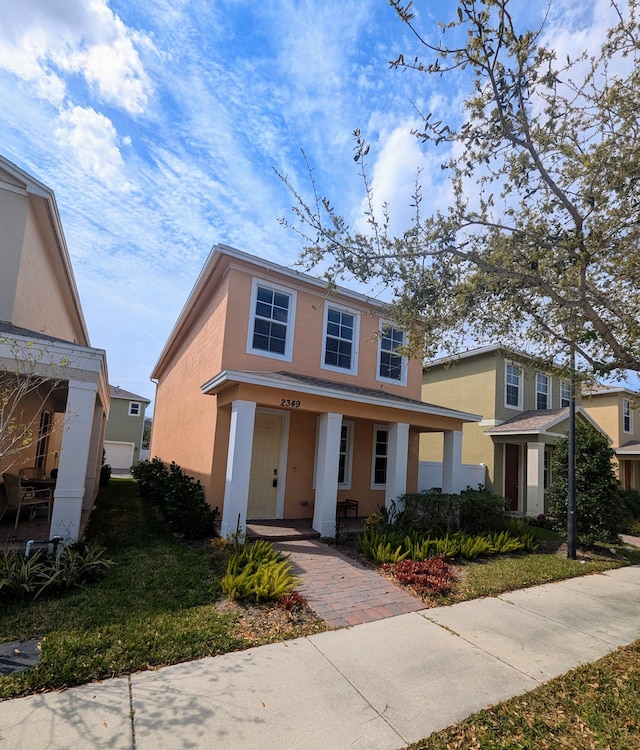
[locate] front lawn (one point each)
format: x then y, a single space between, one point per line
156 606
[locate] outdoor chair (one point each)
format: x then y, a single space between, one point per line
344 506
22 496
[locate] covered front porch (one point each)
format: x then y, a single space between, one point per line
61 390
297 446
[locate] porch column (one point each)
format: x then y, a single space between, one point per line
72 467
397 460
236 488
95 457
328 450
452 462
535 479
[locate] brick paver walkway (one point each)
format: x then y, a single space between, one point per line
342 591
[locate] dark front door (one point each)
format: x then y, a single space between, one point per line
511 466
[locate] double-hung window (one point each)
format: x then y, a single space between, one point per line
626 415
345 459
392 366
134 408
380 453
271 321
542 391
513 390
565 393
340 340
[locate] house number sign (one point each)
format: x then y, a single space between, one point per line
292 403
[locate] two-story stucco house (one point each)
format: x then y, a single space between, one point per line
615 410
524 411
43 336
125 425
284 398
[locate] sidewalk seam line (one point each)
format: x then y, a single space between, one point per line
359 692
131 713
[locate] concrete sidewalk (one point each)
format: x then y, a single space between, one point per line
380 685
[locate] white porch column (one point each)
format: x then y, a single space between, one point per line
328 450
236 489
74 454
535 478
95 457
452 462
397 460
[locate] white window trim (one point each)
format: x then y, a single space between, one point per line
348 468
356 338
404 363
548 394
139 405
563 384
288 346
626 404
377 427
520 385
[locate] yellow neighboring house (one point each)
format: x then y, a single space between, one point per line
285 398
615 409
53 383
524 412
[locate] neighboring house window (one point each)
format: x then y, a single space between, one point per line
542 391
346 456
270 326
340 340
134 408
565 393
547 467
513 390
626 415
380 445
391 365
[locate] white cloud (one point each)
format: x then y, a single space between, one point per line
93 139
44 41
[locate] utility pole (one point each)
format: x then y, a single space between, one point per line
571 468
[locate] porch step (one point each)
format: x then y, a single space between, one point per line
281 531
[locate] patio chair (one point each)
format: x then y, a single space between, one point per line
22 496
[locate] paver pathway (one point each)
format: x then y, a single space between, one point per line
342 591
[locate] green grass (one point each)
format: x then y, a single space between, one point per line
496 575
154 607
594 707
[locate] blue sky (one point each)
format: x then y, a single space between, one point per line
158 125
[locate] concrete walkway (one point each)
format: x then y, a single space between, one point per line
342 591
376 686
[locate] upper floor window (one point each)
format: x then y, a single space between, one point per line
134 408
513 391
542 391
391 365
380 452
271 322
340 340
565 393
626 415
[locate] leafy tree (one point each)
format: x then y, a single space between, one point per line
598 499
540 247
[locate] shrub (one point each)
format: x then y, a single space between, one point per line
180 498
24 577
433 576
259 573
598 501
630 512
105 471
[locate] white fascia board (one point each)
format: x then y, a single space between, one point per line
234 376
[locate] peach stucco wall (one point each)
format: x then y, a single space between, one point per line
308 330
43 302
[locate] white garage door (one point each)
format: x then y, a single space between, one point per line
119 455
